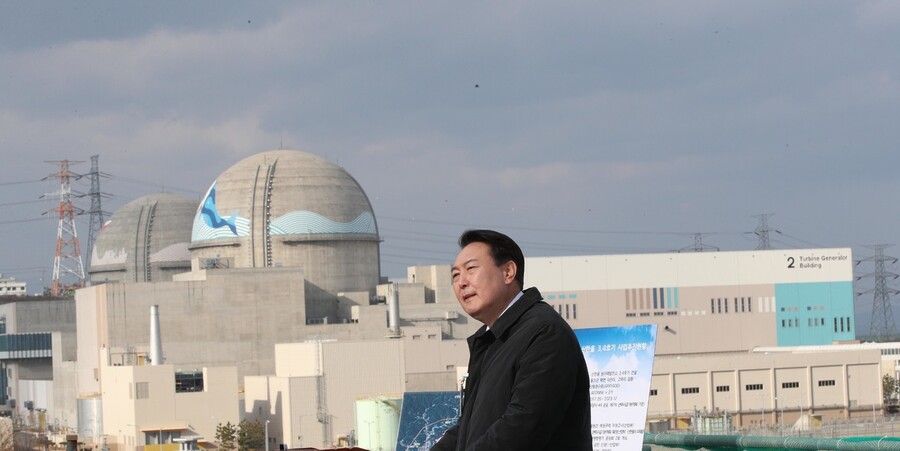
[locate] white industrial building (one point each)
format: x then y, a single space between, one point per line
9 287
276 275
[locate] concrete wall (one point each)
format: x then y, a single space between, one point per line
834 384
138 420
313 410
232 318
436 279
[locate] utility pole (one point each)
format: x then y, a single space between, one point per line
67 259
882 326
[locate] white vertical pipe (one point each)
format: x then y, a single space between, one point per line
394 311
156 357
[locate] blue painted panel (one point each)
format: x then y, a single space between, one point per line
806 313
424 417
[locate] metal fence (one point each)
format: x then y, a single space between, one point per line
884 426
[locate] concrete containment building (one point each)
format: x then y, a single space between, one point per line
285 249
144 241
290 209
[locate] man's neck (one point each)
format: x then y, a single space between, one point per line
509 304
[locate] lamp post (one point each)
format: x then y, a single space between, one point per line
780 421
267 435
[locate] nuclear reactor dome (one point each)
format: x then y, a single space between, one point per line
286 208
145 240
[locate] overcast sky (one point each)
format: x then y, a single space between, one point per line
576 127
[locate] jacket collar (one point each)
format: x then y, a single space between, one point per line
511 316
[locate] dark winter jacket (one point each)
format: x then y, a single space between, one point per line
527 386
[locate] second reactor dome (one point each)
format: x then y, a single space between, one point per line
145 240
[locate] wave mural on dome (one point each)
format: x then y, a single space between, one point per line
209 224
307 222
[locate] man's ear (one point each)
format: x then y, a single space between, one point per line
509 272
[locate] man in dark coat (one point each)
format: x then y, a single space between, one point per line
527 385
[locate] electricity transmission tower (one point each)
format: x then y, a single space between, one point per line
67 260
96 212
762 231
698 245
882 326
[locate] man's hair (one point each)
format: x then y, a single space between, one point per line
502 247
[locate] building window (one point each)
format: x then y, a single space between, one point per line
652 392
790 385
629 315
726 305
645 313
826 383
188 381
750 305
752 387
567 311
689 390
723 388
142 390
712 306
719 302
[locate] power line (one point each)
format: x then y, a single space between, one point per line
20 221
798 239
545 229
162 186
24 202
20 182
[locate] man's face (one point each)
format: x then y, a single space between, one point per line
482 288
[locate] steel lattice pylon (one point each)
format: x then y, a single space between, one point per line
67 260
762 231
882 326
96 212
